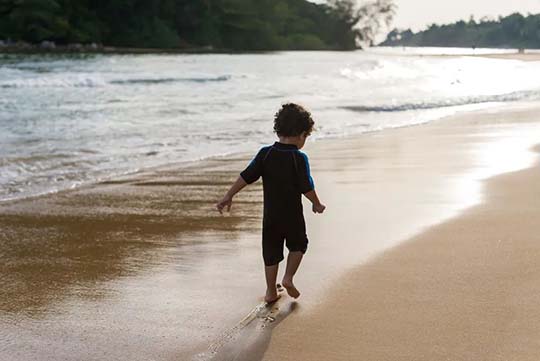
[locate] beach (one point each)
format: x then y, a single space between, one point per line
426 250
525 56
143 267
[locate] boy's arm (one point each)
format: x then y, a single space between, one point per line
237 186
248 176
307 186
317 206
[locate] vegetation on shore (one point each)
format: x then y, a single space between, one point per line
212 24
513 31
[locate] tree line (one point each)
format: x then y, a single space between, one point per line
513 31
214 24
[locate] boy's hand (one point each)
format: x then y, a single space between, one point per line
225 202
318 208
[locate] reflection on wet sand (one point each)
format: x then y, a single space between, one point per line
77 244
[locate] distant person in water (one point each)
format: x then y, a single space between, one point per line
286 176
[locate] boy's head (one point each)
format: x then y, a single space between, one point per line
293 121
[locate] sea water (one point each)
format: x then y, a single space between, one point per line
68 120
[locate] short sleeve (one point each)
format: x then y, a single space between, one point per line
254 169
305 180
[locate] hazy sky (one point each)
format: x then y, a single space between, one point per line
418 14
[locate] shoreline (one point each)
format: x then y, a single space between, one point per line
92 49
104 50
148 171
36 49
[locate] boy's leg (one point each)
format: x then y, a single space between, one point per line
293 262
272 245
271 275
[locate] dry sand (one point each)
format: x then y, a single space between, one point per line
466 289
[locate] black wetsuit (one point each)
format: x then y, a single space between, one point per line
286 176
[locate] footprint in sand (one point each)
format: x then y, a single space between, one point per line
269 316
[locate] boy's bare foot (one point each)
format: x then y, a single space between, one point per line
271 296
291 289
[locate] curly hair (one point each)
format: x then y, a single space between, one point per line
292 120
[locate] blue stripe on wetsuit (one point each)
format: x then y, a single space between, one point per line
254 168
311 183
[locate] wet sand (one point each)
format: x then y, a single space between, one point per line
124 269
466 289
143 268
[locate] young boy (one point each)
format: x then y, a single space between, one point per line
286 176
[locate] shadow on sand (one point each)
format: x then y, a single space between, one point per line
250 338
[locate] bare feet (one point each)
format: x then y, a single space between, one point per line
291 289
271 296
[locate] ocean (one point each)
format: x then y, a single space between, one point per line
70 120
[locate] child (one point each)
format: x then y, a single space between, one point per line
286 176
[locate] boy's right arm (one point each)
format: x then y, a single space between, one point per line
237 186
248 176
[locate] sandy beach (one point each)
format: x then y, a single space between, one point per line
526 56
143 267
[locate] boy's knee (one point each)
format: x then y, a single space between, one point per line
272 260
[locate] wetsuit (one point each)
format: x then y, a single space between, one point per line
286 176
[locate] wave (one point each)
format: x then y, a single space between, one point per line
82 81
499 98
171 80
89 81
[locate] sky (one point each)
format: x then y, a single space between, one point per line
419 14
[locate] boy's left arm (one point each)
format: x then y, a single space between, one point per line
307 186
317 206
